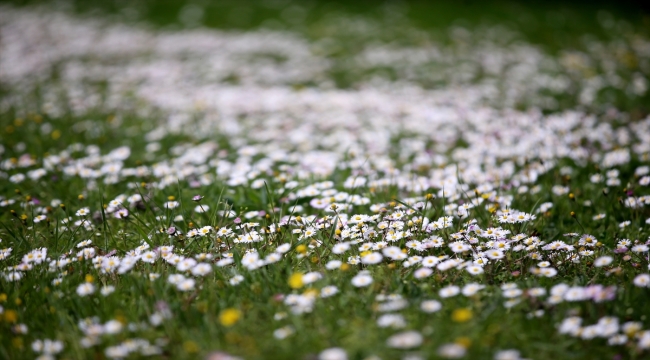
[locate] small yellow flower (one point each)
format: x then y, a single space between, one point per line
89 278
190 347
461 315
229 317
11 316
295 281
463 341
301 248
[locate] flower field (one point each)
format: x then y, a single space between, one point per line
332 186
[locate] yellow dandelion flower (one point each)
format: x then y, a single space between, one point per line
11 316
295 281
461 315
229 317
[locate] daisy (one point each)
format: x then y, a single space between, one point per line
599 217
311 277
328 291
283 332
201 269
459 247
372 258
149 257
391 320
340 248
642 280
186 285
451 351
225 261
235 280
472 288
85 289
495 254
430 306
283 248
272 258
474 269
83 212
405 340
449 291
430 261
107 290
362 280
422 273
333 264
333 354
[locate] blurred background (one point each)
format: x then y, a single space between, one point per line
552 23
582 40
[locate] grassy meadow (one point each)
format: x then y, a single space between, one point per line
324 180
